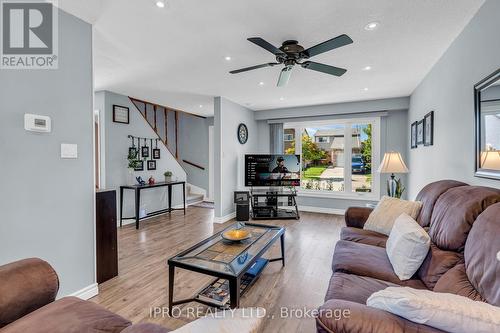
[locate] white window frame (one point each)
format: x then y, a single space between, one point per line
376 143
290 137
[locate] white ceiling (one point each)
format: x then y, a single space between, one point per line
175 56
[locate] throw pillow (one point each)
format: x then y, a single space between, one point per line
447 312
407 246
382 218
244 320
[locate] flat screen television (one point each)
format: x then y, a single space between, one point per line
272 170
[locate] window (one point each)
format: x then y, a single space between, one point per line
288 137
332 164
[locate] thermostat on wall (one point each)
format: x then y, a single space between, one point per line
36 123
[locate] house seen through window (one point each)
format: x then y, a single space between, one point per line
330 163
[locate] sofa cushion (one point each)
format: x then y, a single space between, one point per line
69 315
429 195
387 211
25 286
338 316
356 216
454 213
354 288
455 281
436 263
367 260
483 244
363 236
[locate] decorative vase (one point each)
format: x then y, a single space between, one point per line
130 176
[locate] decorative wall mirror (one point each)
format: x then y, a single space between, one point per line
487 126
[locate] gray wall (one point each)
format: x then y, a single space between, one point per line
401 103
47 203
229 153
116 146
448 90
193 147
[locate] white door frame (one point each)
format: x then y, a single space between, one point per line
210 195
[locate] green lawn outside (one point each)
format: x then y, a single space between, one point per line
314 172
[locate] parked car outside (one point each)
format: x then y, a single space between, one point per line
358 166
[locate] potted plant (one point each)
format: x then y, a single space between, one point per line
168 176
133 163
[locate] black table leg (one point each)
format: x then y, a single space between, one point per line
171 277
137 206
234 292
282 239
121 206
170 199
184 196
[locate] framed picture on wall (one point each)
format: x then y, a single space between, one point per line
140 166
145 151
414 135
420 132
156 153
151 165
429 129
121 114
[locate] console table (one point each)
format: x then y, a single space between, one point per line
137 191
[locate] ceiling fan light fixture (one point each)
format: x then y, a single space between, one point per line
372 26
160 4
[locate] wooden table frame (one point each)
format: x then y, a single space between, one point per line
234 280
137 194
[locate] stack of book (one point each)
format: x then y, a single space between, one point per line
217 292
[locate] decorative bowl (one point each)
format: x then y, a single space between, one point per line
236 235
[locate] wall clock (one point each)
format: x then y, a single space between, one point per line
242 133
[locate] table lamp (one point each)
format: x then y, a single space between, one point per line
392 163
490 160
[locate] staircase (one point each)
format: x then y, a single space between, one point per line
165 123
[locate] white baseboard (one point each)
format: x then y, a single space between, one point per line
87 292
224 219
323 210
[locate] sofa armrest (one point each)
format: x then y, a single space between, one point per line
356 216
338 316
25 286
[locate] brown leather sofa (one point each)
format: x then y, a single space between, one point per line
463 223
28 289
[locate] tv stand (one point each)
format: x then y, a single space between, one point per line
266 205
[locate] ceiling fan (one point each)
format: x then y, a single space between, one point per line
291 54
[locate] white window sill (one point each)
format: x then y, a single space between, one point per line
338 195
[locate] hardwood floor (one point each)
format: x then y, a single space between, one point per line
142 283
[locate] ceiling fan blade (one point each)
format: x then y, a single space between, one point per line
284 76
332 70
266 45
329 45
270 64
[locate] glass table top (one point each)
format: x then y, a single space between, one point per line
219 255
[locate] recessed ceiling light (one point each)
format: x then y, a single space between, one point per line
261 83
366 89
228 58
201 106
372 26
282 98
367 68
160 4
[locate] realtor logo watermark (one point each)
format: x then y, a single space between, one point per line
29 34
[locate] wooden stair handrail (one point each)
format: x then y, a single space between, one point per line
194 164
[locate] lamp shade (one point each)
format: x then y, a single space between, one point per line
392 163
490 160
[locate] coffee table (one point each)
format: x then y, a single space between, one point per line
219 258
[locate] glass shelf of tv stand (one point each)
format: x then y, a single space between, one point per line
272 193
